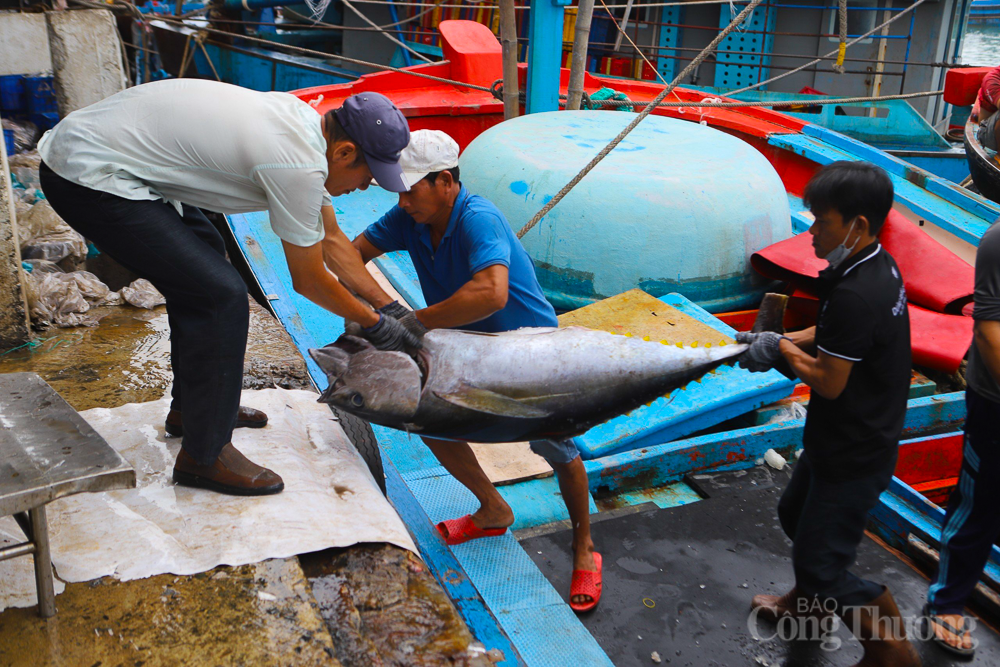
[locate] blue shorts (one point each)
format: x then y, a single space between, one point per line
556 451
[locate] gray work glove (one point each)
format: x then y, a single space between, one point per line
412 324
764 350
389 334
394 309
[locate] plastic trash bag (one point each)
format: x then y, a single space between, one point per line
24 167
25 233
64 299
142 294
26 134
30 160
44 235
40 266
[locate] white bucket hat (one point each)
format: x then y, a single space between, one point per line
427 152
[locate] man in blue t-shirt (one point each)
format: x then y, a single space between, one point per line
475 275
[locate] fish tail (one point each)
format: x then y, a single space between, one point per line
771 316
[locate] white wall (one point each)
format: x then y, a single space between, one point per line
24 44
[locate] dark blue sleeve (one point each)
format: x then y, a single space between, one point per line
486 241
388 232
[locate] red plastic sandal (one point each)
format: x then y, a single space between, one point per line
457 531
586 582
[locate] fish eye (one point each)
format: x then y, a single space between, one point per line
357 400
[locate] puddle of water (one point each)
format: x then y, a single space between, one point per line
250 615
125 359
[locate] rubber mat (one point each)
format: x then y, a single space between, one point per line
937 340
678 581
935 277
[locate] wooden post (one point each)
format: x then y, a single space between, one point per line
578 65
14 326
508 43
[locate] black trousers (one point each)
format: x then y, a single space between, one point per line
972 522
826 521
184 256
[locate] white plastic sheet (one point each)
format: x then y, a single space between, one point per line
330 500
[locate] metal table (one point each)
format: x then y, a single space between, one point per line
47 451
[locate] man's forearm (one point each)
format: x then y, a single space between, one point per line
313 280
330 294
805 339
469 304
345 261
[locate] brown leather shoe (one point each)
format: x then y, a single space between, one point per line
232 474
882 633
245 418
773 607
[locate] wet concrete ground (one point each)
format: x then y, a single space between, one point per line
364 605
678 582
248 615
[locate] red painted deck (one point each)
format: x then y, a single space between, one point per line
931 466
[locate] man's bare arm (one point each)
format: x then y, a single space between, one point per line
365 248
476 300
313 280
346 262
987 342
805 339
825 374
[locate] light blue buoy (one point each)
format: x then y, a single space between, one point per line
676 207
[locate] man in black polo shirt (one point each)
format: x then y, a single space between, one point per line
856 361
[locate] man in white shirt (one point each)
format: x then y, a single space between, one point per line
131 174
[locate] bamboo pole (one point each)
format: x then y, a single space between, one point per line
508 43
880 65
578 64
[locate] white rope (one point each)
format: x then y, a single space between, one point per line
638 119
316 7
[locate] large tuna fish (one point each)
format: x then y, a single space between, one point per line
518 385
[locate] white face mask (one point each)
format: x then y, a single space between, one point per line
836 256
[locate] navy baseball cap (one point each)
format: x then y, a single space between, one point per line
379 129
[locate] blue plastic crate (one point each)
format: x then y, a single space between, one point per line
12 93
45 121
40 93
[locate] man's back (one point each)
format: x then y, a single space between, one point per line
203 143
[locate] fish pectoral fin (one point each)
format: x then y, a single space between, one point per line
490 402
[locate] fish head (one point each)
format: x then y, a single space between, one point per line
378 386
